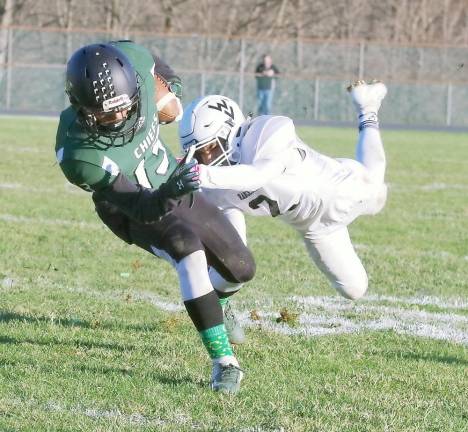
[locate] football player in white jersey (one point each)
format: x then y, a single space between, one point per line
260 167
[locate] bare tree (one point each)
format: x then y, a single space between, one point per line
7 20
401 21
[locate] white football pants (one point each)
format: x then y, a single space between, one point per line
334 253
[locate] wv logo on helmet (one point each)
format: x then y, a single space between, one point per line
223 107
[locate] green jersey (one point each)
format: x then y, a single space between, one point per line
93 162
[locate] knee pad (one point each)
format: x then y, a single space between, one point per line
238 266
181 242
243 269
246 272
352 289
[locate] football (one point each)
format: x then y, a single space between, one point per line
169 107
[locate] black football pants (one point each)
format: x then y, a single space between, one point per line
186 230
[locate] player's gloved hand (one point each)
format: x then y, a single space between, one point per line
184 180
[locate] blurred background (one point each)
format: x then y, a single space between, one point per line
418 47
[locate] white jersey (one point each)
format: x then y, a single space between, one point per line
278 175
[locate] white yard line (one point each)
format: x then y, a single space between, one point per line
133 419
325 315
430 187
67 188
327 301
312 325
53 222
443 186
23 149
116 416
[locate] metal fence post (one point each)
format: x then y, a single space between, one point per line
201 64
448 116
361 59
202 83
9 68
316 98
241 74
68 48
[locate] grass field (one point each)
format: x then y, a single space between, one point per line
93 336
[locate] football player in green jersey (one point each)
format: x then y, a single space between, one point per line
108 144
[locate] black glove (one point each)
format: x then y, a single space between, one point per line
183 180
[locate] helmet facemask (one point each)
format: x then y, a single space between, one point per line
93 120
219 145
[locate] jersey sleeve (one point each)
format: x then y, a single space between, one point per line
138 203
277 135
86 175
240 177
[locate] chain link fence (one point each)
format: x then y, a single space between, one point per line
428 85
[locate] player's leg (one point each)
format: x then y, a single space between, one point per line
231 262
262 108
225 246
173 238
369 149
174 241
268 100
115 220
335 256
232 323
237 220
259 102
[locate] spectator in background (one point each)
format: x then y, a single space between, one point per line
265 74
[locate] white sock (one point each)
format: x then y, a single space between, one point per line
370 152
193 276
226 360
221 284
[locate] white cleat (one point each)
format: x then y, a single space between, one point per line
367 97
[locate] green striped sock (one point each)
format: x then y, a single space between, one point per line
216 341
223 301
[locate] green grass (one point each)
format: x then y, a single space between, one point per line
83 346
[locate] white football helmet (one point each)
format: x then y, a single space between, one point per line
212 119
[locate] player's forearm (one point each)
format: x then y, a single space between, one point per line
138 203
240 177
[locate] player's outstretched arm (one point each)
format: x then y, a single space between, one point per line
241 177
